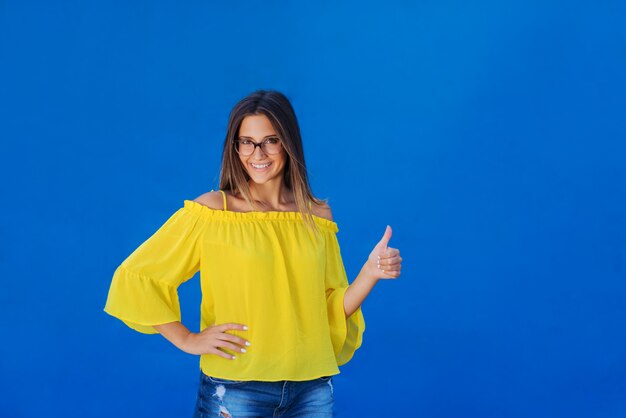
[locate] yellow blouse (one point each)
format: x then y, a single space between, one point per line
266 270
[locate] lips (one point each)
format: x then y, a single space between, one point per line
260 166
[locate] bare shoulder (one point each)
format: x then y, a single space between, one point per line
323 211
213 200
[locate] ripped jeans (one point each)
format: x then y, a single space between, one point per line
223 398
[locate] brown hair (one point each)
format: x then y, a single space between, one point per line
279 111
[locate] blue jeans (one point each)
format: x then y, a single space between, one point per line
233 399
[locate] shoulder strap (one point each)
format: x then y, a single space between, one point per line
224 197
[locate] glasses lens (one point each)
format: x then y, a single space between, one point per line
272 146
245 147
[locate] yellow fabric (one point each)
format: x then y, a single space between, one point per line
223 198
266 270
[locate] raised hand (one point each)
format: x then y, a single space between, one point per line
385 262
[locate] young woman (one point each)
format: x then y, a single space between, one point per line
277 315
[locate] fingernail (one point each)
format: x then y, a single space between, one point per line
243 350
247 342
245 327
233 357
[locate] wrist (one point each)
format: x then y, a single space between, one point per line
186 342
369 274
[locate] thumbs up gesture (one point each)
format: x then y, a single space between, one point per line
384 261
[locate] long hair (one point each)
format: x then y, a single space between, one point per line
279 111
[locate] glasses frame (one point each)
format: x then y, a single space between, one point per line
257 144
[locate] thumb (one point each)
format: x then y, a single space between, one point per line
385 239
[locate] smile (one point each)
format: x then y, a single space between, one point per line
259 166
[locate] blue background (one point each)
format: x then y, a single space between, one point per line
490 135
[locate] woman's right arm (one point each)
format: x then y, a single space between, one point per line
143 292
144 287
212 340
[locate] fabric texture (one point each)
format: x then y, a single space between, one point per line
236 398
266 270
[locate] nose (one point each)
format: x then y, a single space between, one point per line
259 148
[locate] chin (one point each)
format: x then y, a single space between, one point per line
263 178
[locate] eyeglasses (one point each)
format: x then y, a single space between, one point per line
247 147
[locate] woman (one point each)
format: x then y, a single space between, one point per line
277 314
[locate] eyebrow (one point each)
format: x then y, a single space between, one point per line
268 136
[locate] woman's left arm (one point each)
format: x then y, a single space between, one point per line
383 262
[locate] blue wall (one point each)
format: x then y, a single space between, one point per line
490 135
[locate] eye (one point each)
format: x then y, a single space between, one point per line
245 142
272 140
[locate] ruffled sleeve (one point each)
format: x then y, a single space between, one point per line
143 290
346 333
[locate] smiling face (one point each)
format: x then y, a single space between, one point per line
260 166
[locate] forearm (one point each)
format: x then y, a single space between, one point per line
358 291
174 332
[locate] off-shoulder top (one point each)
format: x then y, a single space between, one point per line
266 270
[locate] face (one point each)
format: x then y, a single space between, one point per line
261 167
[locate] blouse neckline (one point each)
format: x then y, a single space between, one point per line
206 211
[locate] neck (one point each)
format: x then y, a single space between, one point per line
272 195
